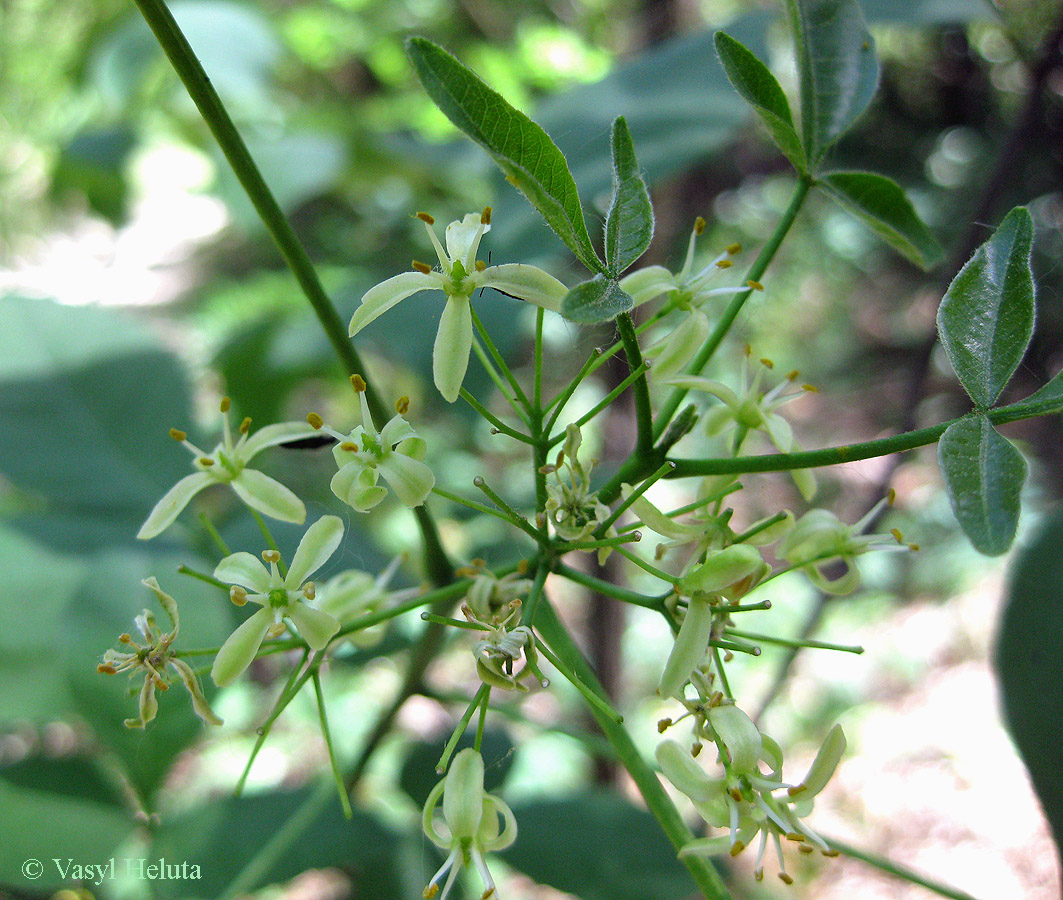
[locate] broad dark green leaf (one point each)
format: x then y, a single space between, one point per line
837 68
984 474
1030 667
596 300
530 160
629 222
597 846
222 836
419 774
73 777
754 81
45 826
986 317
881 203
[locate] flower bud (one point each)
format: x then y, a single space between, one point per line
741 738
463 795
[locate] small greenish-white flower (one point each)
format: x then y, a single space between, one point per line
470 824
460 274
687 292
489 595
751 409
575 510
820 538
365 454
745 799
282 597
153 659
506 641
352 595
227 464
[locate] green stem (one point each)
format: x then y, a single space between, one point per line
643 411
561 399
337 776
537 396
493 419
200 576
214 534
634 495
609 589
531 604
892 868
596 701
633 378
759 267
514 517
479 697
499 361
657 800
786 642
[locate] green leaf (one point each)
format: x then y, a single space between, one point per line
986 317
525 153
223 835
837 68
596 300
1046 401
881 203
1030 668
611 849
984 474
629 222
754 81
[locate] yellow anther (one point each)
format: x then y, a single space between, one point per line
349 447
737 847
547 470
429 892
309 590
315 421
225 404
106 669
271 556
275 630
792 375
421 267
830 853
756 285
358 383
699 226
402 405
897 536
811 388
160 684
758 874
914 548
724 264
663 725
245 425
480 265
238 595
796 836
485 216
124 638
206 461
695 751
488 894
767 363
734 248
177 434
736 795
805 848
785 878
748 350
426 218
891 497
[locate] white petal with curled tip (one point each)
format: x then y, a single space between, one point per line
737 732
697 383
450 354
460 236
823 766
780 432
268 496
410 479
648 283
397 429
191 683
318 544
526 282
271 435
654 519
165 601
240 648
246 570
315 627
171 504
379 299
672 352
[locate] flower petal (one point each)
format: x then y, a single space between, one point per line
240 648
698 383
410 479
246 570
450 355
526 282
378 300
171 504
271 435
315 627
672 352
461 235
397 429
268 496
318 544
648 283
355 485
191 683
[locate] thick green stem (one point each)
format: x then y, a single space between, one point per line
657 800
643 412
759 267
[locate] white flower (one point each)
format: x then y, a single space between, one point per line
573 508
472 823
152 661
354 594
750 409
227 464
365 454
688 291
459 275
281 597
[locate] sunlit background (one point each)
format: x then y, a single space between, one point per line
124 237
